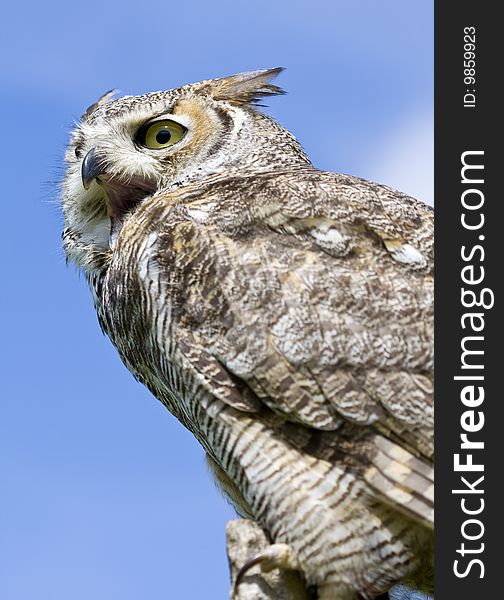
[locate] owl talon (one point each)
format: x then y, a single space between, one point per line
277 556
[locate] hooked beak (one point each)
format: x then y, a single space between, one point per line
92 166
121 195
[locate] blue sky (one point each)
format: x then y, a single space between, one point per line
103 494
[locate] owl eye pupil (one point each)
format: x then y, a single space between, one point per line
163 136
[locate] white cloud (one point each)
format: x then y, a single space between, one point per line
404 159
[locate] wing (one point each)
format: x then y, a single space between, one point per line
313 294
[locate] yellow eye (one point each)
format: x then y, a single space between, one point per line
161 134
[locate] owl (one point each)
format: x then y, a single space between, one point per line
283 314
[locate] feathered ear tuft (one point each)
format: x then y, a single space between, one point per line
107 97
243 88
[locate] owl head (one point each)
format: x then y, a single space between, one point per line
123 151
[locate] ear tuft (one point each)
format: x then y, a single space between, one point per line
243 88
106 97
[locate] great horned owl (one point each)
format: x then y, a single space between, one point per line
281 313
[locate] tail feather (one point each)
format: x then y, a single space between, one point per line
403 480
